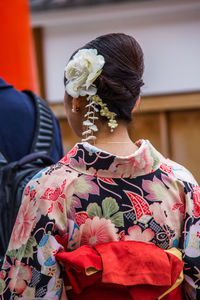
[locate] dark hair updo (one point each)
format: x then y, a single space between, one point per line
121 79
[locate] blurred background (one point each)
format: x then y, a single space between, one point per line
169 33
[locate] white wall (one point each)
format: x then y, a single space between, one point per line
168 32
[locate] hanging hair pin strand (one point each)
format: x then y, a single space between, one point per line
81 73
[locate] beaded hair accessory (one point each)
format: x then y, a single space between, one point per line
81 72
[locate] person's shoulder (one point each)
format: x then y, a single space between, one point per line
13 98
181 172
53 175
4 84
169 166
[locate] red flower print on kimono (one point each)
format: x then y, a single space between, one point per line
166 168
180 205
27 190
23 224
66 159
53 204
196 201
19 274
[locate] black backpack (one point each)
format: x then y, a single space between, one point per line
15 175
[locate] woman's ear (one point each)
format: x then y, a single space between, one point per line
75 104
78 104
136 104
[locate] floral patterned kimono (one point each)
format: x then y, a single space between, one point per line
92 197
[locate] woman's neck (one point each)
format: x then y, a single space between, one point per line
117 142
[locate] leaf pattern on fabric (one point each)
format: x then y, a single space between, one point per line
107 180
2 285
29 247
93 210
81 217
155 188
117 219
110 211
25 250
141 207
109 206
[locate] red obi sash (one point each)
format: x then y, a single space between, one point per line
122 270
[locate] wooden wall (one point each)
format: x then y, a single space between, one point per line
170 122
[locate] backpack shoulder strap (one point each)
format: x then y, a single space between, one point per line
44 128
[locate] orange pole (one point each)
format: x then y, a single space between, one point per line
17 59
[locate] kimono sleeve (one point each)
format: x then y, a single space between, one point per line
190 241
30 270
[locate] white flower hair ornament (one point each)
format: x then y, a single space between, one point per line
81 72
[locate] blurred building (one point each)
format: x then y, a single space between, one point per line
168 32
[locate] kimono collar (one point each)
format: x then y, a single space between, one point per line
90 160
